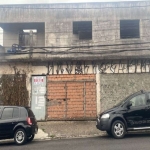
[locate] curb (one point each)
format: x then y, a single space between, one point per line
61 138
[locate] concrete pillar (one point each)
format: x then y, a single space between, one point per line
98 92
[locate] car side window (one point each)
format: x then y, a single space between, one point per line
23 113
7 113
16 113
139 100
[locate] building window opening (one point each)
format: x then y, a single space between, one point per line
83 29
129 29
28 37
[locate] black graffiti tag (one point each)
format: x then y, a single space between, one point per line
59 68
69 67
78 68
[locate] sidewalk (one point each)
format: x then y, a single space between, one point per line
67 129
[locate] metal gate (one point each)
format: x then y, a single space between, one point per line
38 103
68 100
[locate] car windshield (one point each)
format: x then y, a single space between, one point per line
123 101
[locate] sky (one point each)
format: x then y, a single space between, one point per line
56 1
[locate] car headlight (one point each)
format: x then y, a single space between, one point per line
105 116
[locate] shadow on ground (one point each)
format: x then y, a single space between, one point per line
12 143
128 135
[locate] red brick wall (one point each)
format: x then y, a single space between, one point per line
73 99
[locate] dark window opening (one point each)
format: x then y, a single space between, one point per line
83 29
129 29
28 37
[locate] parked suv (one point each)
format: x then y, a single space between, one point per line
18 123
131 114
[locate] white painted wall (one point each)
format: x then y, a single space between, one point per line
1 36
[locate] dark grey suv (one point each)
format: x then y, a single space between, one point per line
18 123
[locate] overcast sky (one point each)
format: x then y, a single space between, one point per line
56 1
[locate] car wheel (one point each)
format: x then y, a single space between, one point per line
30 138
118 129
109 133
20 137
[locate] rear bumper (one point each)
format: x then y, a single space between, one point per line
31 130
103 124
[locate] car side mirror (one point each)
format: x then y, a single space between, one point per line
129 105
148 101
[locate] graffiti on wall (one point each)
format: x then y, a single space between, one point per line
78 68
69 67
94 67
59 68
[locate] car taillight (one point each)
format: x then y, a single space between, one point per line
29 121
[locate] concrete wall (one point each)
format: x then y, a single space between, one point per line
105 19
115 87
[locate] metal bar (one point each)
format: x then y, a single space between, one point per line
74 119
84 105
56 99
46 102
66 100
74 81
96 95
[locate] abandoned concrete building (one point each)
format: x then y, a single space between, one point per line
79 58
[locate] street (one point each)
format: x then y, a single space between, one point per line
130 142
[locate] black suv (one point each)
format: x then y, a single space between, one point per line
131 114
18 123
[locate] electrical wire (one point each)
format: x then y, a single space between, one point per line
79 52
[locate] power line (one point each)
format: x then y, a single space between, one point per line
80 52
88 46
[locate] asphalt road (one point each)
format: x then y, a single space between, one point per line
131 142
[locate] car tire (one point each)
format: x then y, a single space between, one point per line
118 129
20 137
30 138
109 133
